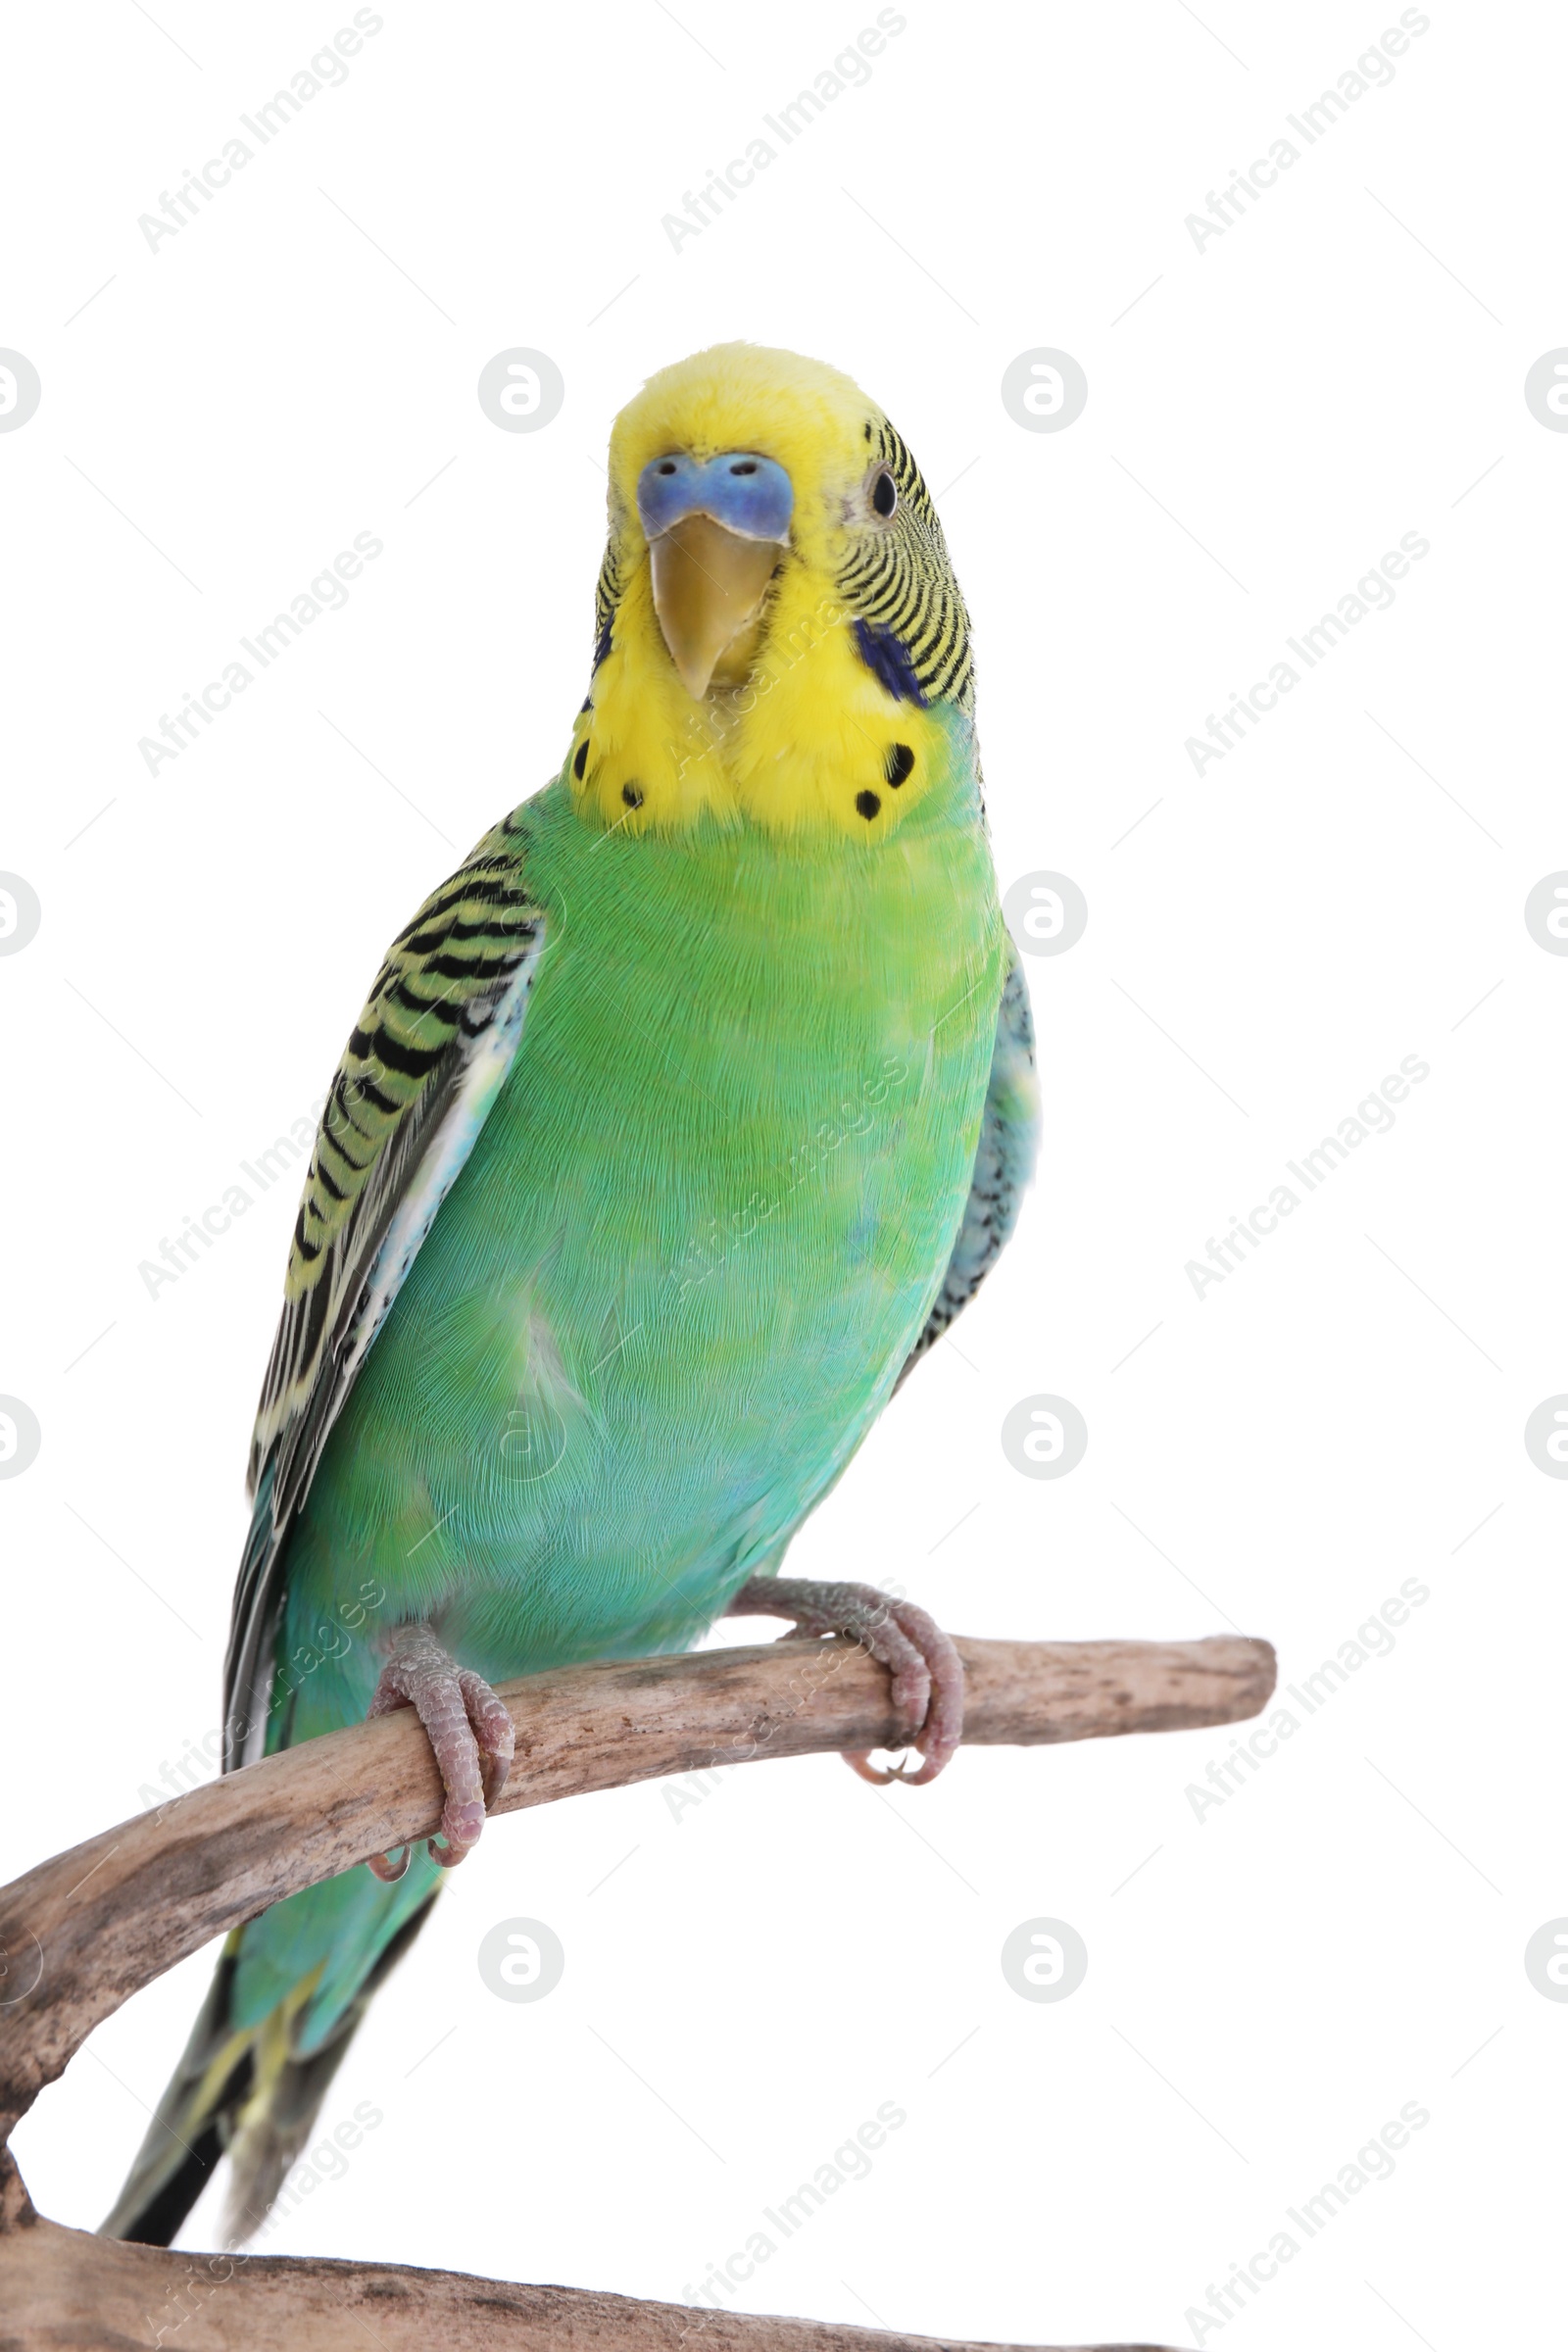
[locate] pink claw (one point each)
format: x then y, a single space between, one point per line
470 1735
926 1670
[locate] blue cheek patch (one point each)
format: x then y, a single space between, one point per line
749 495
887 657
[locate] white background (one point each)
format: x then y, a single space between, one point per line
1345 1933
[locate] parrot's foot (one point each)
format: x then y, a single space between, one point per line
469 1732
927 1671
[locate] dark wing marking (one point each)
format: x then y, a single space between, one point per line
1009 1137
417 1077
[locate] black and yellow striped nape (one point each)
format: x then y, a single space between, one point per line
898 585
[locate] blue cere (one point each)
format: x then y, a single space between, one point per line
752 496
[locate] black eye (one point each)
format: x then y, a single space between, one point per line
884 495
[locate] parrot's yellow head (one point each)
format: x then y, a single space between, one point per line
781 640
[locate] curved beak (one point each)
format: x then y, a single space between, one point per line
716 533
709 586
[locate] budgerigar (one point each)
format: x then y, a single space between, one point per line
677 1123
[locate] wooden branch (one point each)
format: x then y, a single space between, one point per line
82 1933
65 2291
98 1923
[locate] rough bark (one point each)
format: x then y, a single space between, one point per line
83 1931
67 2293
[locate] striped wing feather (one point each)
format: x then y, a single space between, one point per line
417 1076
1009 1138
